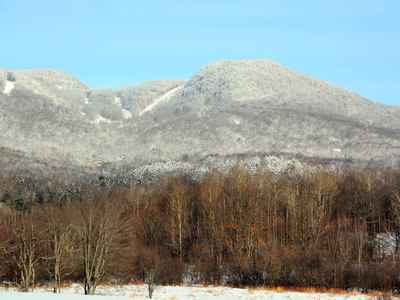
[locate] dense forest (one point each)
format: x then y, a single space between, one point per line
304 227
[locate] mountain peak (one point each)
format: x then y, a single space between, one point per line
254 80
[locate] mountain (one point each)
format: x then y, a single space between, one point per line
247 108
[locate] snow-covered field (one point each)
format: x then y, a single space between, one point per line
75 291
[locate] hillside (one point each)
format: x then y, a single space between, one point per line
229 108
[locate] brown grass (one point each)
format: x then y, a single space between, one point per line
278 289
307 290
65 285
336 291
136 282
380 294
109 283
268 289
319 290
353 293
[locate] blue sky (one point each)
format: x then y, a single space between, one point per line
110 44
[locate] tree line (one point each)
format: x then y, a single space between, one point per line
311 227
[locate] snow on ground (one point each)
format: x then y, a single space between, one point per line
75 292
8 87
162 99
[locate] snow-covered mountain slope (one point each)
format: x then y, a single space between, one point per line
229 108
162 99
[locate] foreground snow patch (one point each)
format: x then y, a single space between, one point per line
44 296
75 292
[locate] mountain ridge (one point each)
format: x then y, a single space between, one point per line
227 108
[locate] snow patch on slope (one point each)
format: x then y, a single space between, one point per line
126 114
236 120
117 101
100 119
162 99
9 86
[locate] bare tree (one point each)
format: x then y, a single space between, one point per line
213 229
4 224
151 265
98 225
178 198
22 237
59 229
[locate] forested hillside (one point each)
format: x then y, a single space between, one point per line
52 123
308 227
